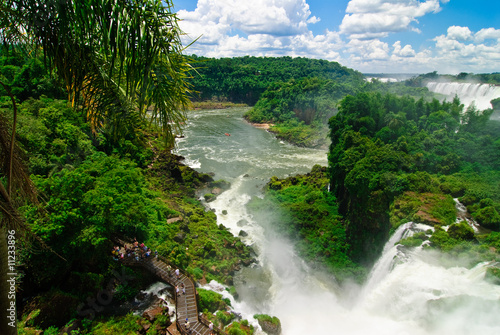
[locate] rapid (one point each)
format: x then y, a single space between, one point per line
413 292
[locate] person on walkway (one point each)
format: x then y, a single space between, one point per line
177 274
186 324
211 328
183 289
177 290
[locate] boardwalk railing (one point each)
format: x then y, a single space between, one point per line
186 304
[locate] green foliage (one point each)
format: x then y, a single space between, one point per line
442 240
415 240
429 208
27 77
211 301
488 217
264 317
245 79
128 325
102 197
240 328
309 212
493 240
461 231
300 134
384 145
53 134
224 318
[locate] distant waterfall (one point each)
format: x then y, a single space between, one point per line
480 94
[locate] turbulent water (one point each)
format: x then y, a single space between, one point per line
479 94
408 292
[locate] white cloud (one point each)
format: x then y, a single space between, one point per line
260 27
313 20
276 17
406 51
369 50
368 19
231 28
461 50
486 34
459 33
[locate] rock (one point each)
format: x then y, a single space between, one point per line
141 296
243 233
246 175
152 313
209 197
224 212
242 223
180 237
225 185
248 261
217 190
184 227
271 325
173 220
75 325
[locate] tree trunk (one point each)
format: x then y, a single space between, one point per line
8 318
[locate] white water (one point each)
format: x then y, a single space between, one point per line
402 294
468 93
462 215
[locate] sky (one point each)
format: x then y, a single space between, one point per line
371 36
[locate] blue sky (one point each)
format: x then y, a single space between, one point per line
376 36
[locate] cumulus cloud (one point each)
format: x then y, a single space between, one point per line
370 50
229 28
406 51
278 17
369 19
487 34
459 33
460 48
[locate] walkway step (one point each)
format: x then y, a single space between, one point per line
186 304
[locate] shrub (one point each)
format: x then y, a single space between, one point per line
211 301
461 231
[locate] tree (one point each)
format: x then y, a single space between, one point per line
122 65
121 61
18 187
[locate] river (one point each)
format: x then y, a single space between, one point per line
413 293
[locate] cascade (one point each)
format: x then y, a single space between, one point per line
462 215
411 291
468 93
390 253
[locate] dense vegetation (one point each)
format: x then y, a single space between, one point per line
483 78
95 187
384 147
392 160
93 192
244 79
308 213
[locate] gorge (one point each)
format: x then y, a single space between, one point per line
417 292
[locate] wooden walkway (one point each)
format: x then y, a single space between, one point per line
186 306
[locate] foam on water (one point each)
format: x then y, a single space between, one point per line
410 294
479 94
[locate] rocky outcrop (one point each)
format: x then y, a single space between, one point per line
271 325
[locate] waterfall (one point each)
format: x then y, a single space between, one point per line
468 93
462 215
410 291
391 254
